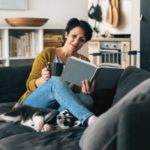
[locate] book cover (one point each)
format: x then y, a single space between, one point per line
77 70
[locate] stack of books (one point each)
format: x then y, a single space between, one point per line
23 45
53 40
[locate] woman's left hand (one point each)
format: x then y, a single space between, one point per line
87 88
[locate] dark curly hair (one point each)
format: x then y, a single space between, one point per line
74 22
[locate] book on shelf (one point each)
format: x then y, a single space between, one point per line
53 44
50 36
53 40
57 41
23 45
77 70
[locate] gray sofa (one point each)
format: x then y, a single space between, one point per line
15 136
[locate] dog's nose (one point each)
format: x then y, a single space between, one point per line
59 117
32 124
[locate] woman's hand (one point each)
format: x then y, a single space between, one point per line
87 88
45 75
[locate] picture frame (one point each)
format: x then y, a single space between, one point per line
13 4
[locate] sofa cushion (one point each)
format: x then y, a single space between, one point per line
129 79
12 82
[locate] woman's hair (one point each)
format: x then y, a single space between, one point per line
74 22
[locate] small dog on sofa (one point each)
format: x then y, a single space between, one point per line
40 119
35 118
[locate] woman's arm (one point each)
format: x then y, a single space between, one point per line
39 73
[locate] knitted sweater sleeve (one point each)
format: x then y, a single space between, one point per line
39 63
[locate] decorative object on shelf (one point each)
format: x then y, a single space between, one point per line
26 21
109 13
95 13
14 4
113 13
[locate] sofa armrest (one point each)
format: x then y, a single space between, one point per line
134 127
13 82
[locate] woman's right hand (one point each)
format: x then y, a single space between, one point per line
45 75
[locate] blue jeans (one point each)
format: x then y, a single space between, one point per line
54 92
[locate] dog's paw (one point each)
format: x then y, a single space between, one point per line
46 127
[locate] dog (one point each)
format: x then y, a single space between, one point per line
66 120
38 119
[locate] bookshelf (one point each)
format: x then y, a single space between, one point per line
20 45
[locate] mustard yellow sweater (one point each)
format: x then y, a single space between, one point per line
39 63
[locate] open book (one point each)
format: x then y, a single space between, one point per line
77 70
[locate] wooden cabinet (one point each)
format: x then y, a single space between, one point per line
110 51
20 45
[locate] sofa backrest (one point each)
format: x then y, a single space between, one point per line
13 82
130 78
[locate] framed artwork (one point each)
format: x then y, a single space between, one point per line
13 4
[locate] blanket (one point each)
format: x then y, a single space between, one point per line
16 136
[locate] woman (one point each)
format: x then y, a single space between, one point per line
46 91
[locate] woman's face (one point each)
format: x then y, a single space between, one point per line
75 39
